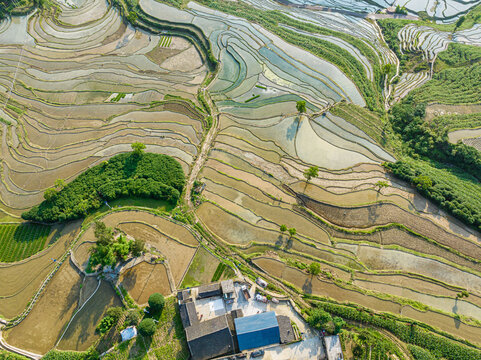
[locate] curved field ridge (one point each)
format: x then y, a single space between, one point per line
83 88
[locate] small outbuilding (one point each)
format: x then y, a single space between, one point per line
228 292
333 347
206 291
285 329
257 330
128 333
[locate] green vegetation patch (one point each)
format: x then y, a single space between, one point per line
19 241
409 332
458 85
125 175
168 341
452 189
6 355
458 121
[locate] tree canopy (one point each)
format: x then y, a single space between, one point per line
156 302
147 327
301 106
312 172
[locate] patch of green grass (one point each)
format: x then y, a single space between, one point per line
19 241
118 97
218 272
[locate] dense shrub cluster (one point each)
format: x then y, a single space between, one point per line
429 140
460 55
125 175
407 332
420 353
109 251
450 189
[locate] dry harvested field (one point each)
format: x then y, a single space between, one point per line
83 88
164 226
19 281
50 315
177 254
81 332
144 279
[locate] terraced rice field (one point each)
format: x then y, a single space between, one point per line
58 78
19 241
385 248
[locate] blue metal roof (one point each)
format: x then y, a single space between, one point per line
256 322
257 330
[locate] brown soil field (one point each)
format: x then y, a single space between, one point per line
19 281
144 279
166 227
81 331
232 229
82 252
50 314
177 254
382 214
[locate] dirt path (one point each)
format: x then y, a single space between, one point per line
199 162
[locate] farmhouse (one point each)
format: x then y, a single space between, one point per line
215 323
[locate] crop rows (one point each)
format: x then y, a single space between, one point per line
18 242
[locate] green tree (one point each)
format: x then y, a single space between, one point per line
132 318
147 327
423 182
314 268
301 106
292 232
156 302
115 312
318 317
339 323
49 194
138 148
312 172
283 228
121 248
59 184
91 354
381 184
132 17
137 247
104 234
460 22
386 69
